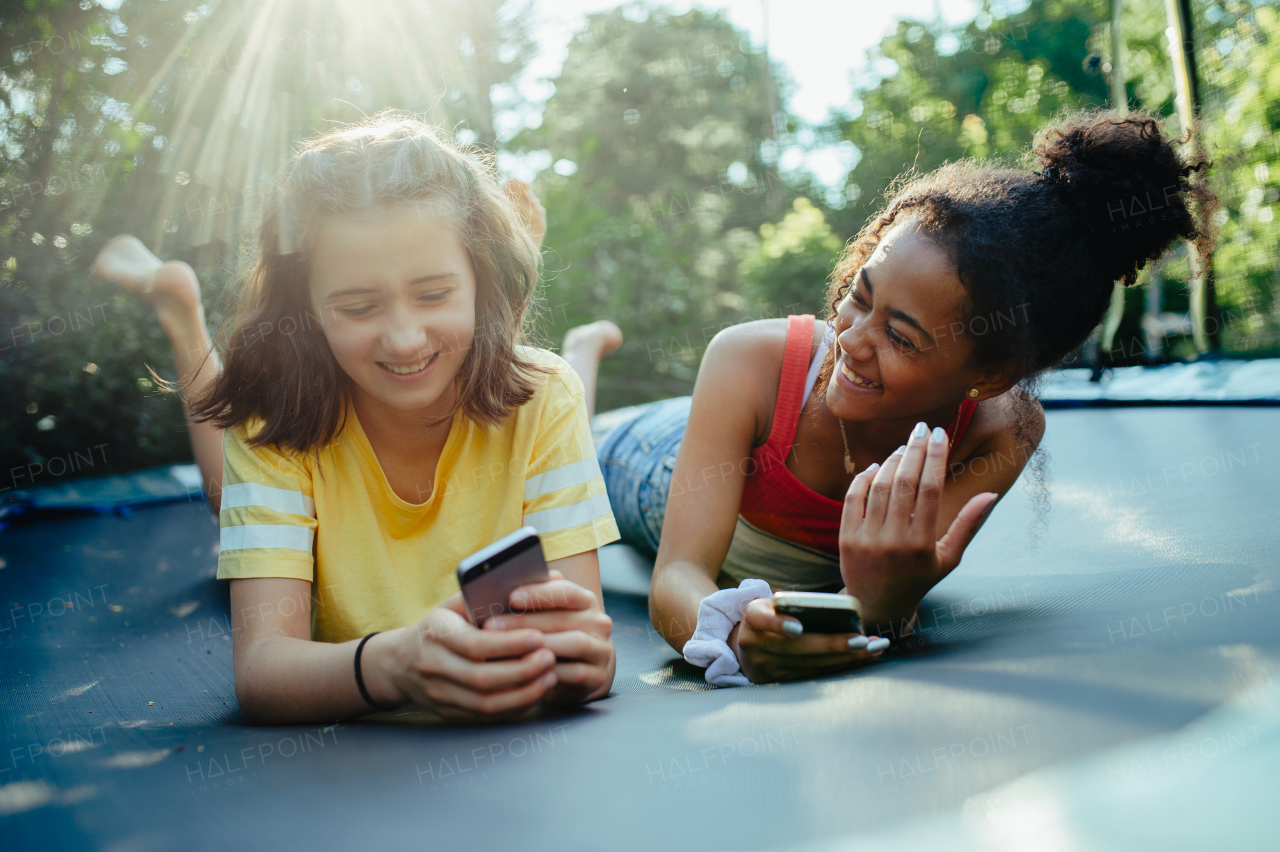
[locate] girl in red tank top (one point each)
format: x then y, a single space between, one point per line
773 499
972 280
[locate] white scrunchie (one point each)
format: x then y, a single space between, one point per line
717 614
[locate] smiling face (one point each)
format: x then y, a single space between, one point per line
897 354
396 294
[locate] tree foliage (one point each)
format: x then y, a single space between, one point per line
666 210
659 129
983 88
162 120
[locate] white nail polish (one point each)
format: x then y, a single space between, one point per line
900 450
793 628
939 435
877 646
921 430
857 643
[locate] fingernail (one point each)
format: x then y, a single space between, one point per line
519 599
878 645
496 624
534 640
873 466
900 450
549 680
549 659
921 430
792 628
857 643
939 435
986 513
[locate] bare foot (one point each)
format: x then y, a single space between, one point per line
171 288
583 348
532 214
595 340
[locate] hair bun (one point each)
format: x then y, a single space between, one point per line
1130 189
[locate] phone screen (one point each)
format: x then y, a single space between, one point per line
490 576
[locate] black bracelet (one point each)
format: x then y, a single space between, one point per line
364 693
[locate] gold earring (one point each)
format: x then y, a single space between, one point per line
973 393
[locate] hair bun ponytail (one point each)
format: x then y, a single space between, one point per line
1127 187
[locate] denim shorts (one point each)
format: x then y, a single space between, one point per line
637 458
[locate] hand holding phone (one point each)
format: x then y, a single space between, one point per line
569 616
771 646
491 574
820 612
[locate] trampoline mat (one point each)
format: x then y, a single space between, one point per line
1145 601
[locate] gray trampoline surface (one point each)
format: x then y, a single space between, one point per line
1148 605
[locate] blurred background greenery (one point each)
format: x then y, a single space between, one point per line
659 156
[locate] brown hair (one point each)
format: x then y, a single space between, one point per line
279 366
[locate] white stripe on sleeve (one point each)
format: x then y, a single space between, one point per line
574 473
251 536
564 517
280 499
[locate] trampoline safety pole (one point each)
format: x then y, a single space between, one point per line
1120 103
1206 324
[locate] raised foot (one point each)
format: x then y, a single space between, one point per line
171 288
596 339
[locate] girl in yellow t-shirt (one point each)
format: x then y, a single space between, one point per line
383 420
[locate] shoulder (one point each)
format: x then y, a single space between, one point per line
743 366
558 393
763 343
750 354
244 461
1009 426
555 380
750 351
759 340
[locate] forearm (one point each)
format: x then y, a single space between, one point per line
677 591
284 680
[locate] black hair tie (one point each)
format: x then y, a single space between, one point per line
364 693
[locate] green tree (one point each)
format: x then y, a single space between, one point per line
163 119
983 88
1240 85
793 260
978 90
660 128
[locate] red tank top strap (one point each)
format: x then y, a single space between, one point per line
795 369
956 428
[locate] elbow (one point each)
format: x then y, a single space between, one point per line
260 697
255 706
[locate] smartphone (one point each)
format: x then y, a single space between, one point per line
491 574
821 612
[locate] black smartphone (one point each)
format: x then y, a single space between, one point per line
821 612
491 574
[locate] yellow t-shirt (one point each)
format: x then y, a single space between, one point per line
377 562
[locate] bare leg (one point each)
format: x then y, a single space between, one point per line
583 348
172 289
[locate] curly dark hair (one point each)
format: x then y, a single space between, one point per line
1111 193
